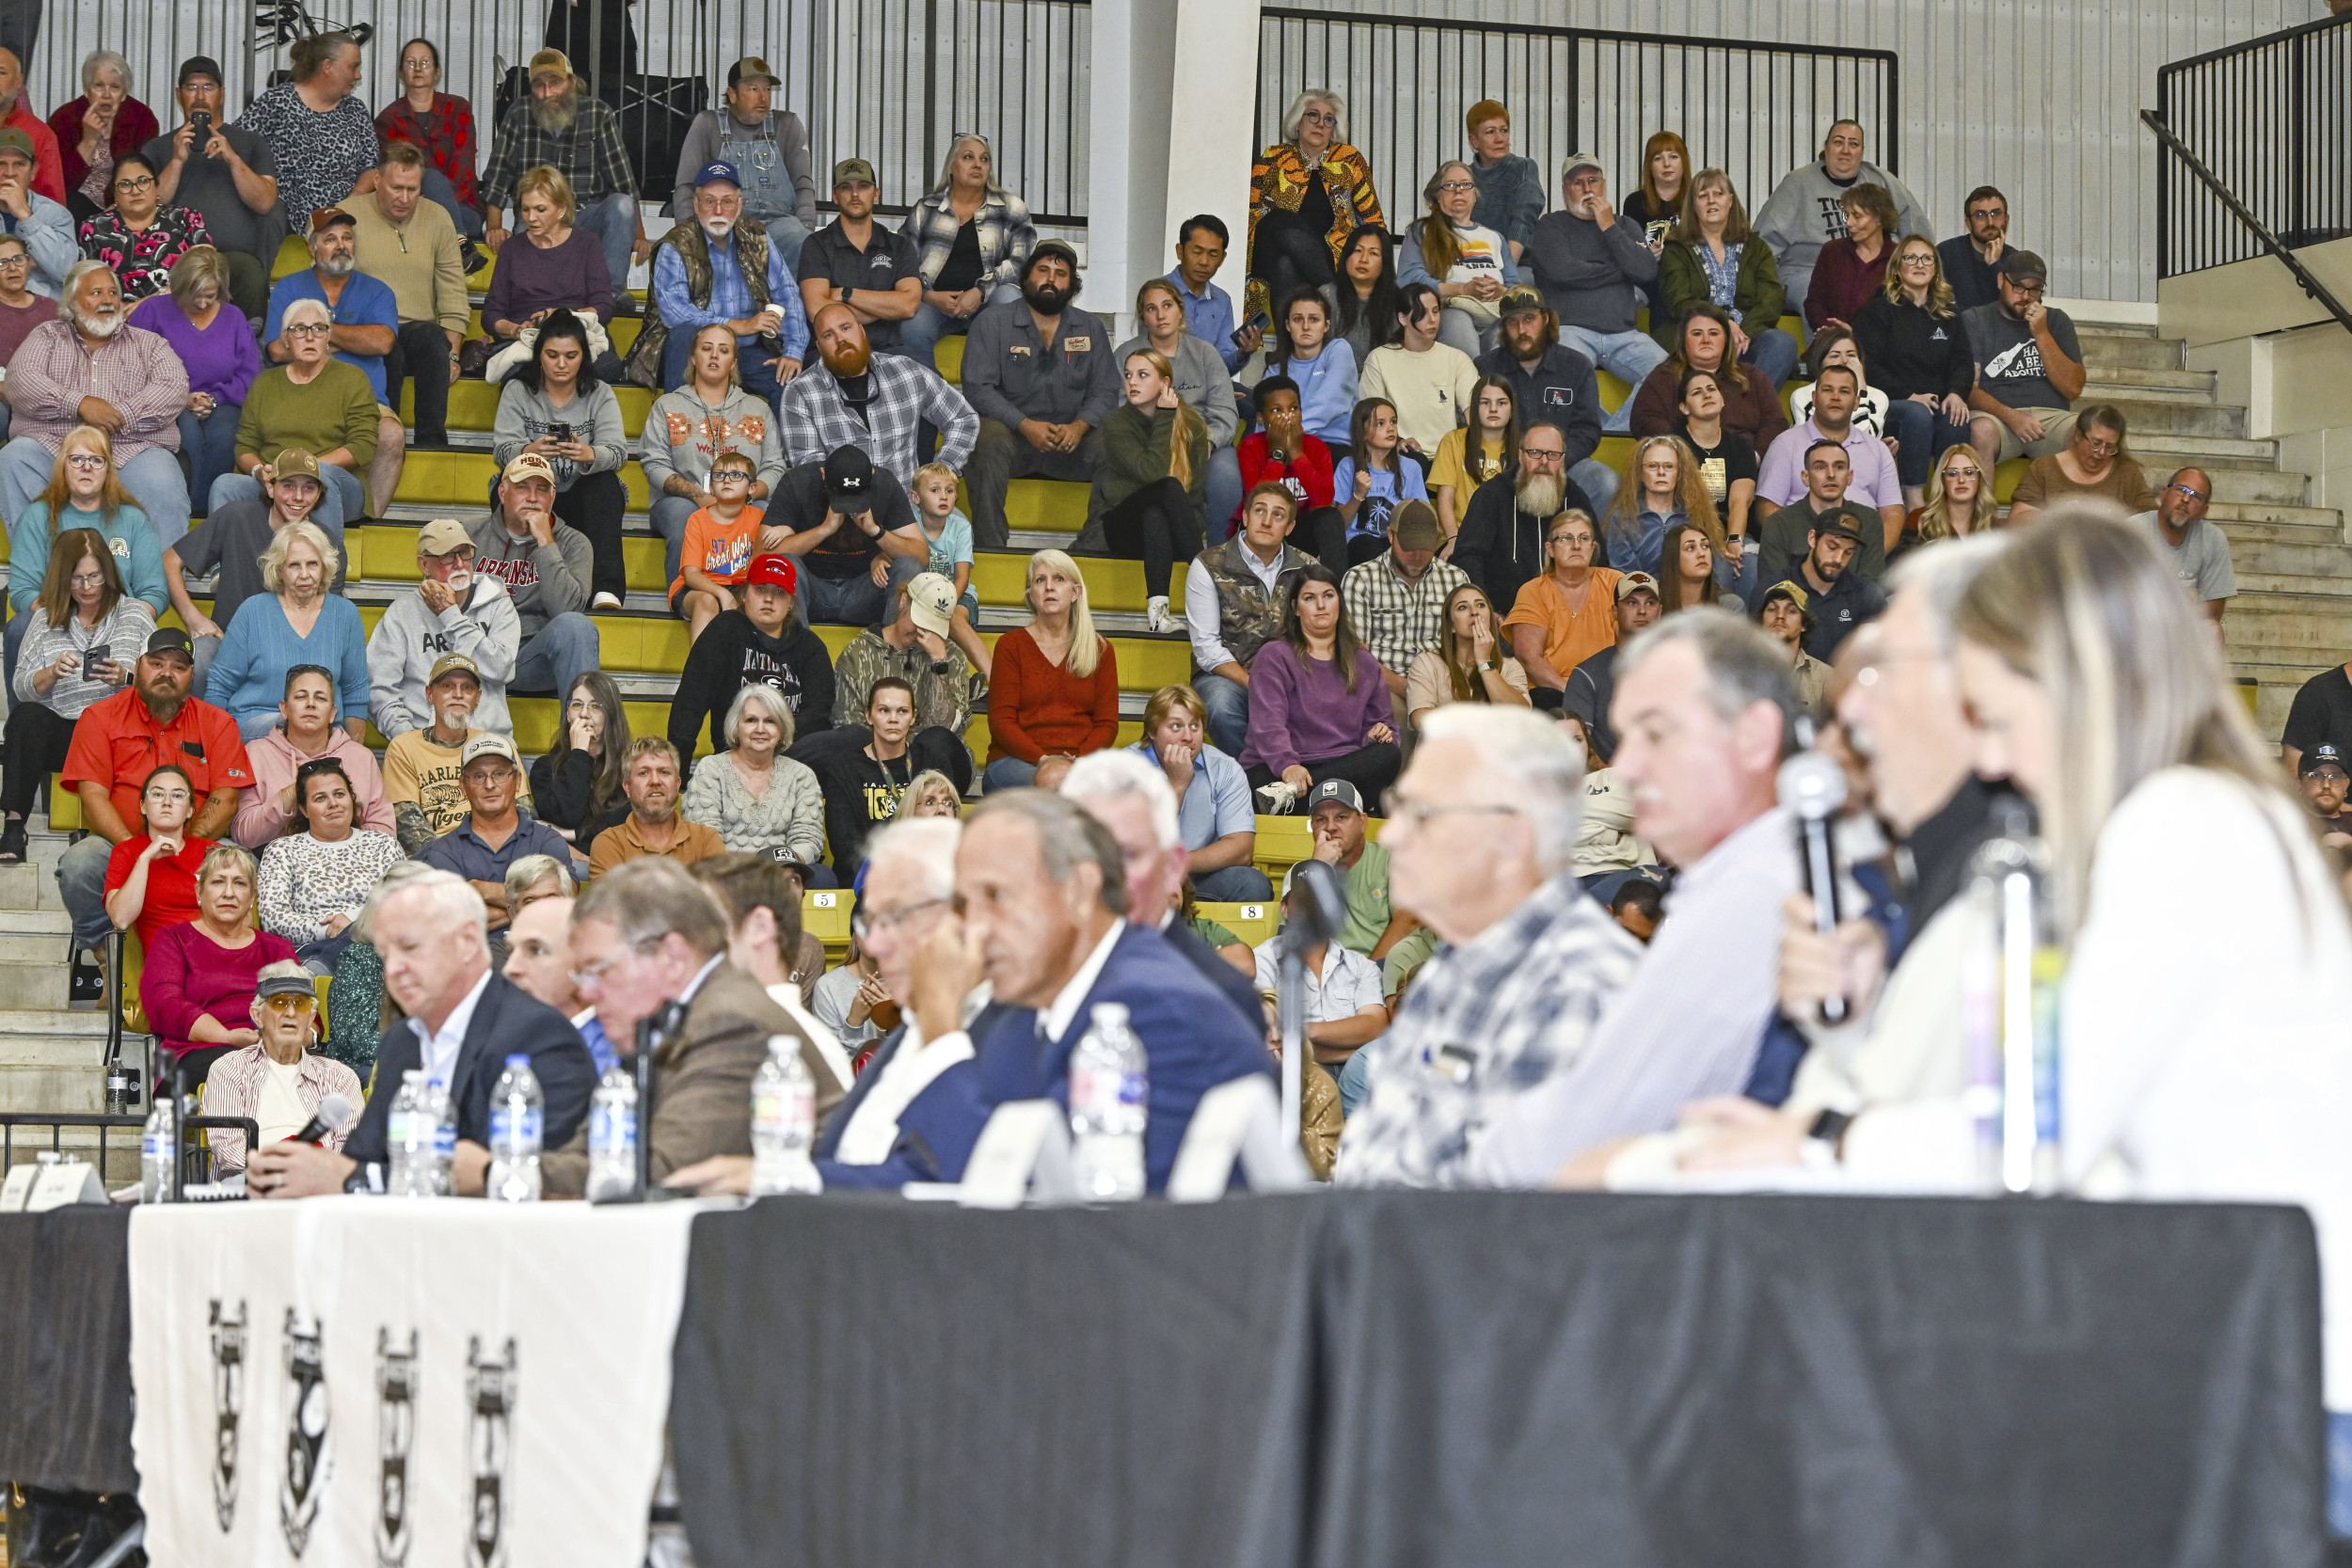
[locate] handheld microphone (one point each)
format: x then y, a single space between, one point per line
1320 909
333 1113
1812 789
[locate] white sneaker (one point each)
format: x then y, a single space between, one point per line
1156 615
605 601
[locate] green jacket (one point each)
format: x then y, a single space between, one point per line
1757 299
1135 454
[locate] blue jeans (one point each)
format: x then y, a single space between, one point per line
1224 498
1628 355
210 445
439 191
1355 1084
1599 481
854 601
670 514
1233 884
1008 773
82 885
788 234
1227 702
1772 352
558 654
1922 434
2339 1473
345 498
613 219
918 337
154 479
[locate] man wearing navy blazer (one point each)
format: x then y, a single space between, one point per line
463 1022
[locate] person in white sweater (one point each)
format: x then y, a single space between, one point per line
455 610
1430 383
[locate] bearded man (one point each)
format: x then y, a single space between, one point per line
561 125
365 315
90 366
856 398
1042 378
708 272
1502 541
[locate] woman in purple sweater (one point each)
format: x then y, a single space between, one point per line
214 341
197 982
1319 707
550 266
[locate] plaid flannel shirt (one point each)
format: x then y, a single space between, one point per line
817 419
1397 619
1002 226
446 139
1484 1025
592 154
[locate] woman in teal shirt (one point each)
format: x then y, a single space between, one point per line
84 491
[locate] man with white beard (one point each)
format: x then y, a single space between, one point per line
454 609
91 367
1502 541
562 126
713 270
366 323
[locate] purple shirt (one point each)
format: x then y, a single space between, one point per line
1782 478
221 358
1301 711
528 280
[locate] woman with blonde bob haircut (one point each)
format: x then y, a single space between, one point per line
296 620
930 793
1053 691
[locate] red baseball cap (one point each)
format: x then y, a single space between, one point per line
777 571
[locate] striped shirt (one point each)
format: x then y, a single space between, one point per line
1395 618
135 370
233 1088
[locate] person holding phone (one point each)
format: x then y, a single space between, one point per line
82 638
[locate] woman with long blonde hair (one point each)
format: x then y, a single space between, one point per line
1150 492
1472 662
1959 500
1665 488
1053 691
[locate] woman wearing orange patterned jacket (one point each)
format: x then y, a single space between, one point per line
1307 194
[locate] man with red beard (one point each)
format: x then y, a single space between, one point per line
874 403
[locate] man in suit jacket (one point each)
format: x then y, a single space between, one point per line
463 1022
646 933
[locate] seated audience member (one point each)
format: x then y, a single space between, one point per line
454 609
441 127
1788 614
1395 600
1217 824
1375 922
313 403
654 825
762 641
281 1079
1705 341
424 766
1510 187
2095 461
1281 452
1592 685
715 555
650 934
709 272
1294 243
98 128
1849 269
556 267
1345 1010
18 114
308 732
215 341
151 876
1837 345
118 742
83 495
1713 257
1233 597
1637 906
90 354
877 403
539 894
1973 259
1201 244
1429 383
555 409
1202 380
853 1003
1872 482
21 308
411 246
1806 210
495 831
230 546
850 533
971 237
753 796
2321 715
1467 262
1373 479
364 329
1039 375
760 896
748 132
51 239
1151 484
196 985
2325 784
314 880
1563 617
546 566
1323 367
1687 574
295 621
2029 367
1465 662
433 932
1502 546
1667 489
948 542
1842 599
930 793
689 429
359 1008
1367 289
1726 461
1659 193
318 132
563 126
863 770
869 266
138 237
1592 271
228 178
1910 331
1469 457
1705 710
1530 964
1957 504
576 786
77 646
1056 689
1319 709
913 646
1780 543
2199 549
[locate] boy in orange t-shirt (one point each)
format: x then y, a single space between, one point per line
720 540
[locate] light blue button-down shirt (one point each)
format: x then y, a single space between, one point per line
1208 316
730 296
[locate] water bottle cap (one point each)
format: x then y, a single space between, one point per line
1110 1014
518 1059
434 1082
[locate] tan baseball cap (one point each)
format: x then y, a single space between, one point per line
528 465
931 598
551 62
443 536
453 664
848 169
486 745
293 463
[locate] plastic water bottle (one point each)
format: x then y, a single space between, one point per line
439 1122
517 1108
2010 986
159 1146
784 1122
1110 1104
613 1137
407 1141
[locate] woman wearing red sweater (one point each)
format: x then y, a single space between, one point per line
1053 690
1851 270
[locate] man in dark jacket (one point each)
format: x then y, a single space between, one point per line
763 641
1554 384
1501 543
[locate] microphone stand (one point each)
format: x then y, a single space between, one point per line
656 1030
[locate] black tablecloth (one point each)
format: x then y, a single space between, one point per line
1488 1380
65 1349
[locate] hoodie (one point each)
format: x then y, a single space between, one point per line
544 580
730 654
483 626
1808 210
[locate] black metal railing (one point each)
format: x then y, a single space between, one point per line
2269 244
1756 110
2255 138
196 1149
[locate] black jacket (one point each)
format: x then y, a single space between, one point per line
507 1020
1909 352
1592 687
1238 989
861 794
732 653
1503 547
1562 391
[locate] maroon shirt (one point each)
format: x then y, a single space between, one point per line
17 321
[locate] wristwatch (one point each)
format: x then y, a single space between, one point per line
1824 1140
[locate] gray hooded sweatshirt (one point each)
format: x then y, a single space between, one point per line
544 580
1808 210
410 638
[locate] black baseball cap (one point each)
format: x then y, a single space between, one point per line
2319 757
848 476
1835 525
199 64
1335 791
171 640
2025 266
1051 247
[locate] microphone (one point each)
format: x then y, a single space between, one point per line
1812 789
1319 909
333 1113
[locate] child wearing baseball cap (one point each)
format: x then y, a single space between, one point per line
720 540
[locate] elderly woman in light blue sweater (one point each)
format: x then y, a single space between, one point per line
296 622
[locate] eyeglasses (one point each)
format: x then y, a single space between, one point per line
1321 117
1396 803
864 925
18 259
2103 447
287 1002
1457 186
88 580
1585 539
85 460
2195 495
1916 260
135 183
596 971
1540 454
309 329
1984 215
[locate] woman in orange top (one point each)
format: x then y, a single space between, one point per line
1569 614
1053 690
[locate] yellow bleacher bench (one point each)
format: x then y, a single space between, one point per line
1255 923
825 914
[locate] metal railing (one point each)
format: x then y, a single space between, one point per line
2254 148
196 1151
2262 236
1756 110
890 81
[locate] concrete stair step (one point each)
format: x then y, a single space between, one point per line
2153 418
2157 447
52 1060
2264 574
2105 351
2246 485
2146 382
2104 387
33 975
2233 515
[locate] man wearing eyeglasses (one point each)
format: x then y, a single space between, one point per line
20 309
1504 541
494 833
1973 259
2029 367
278 1080
45 225
365 317
2200 551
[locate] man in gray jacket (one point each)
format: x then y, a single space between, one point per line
455 609
1040 372
46 226
1807 208
1592 270
545 565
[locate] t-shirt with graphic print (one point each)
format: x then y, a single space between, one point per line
721 547
1391 488
2009 361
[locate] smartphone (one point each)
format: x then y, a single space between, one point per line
202 122
560 432
1258 323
